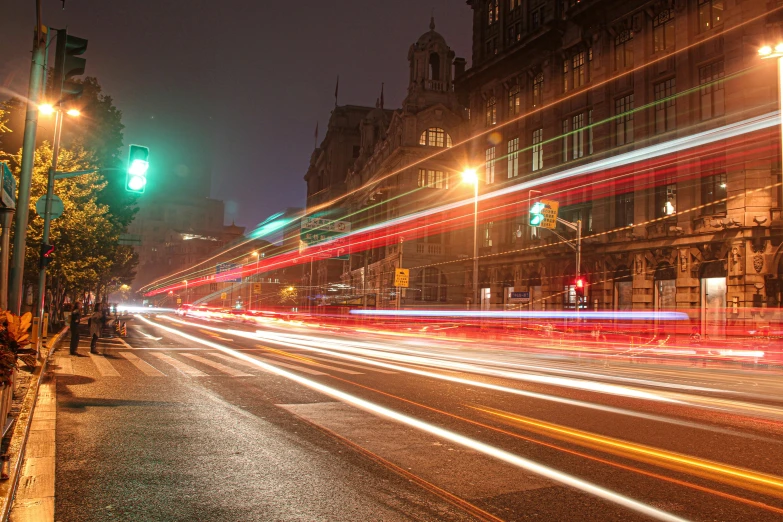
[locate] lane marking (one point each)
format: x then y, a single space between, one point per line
104 366
216 365
235 360
179 365
64 366
365 368
292 366
282 355
145 367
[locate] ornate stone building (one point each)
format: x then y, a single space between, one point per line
651 121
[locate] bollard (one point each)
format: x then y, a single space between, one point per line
34 335
45 328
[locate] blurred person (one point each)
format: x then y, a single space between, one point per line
96 320
74 320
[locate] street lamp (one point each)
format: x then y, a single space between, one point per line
250 293
470 176
45 109
767 52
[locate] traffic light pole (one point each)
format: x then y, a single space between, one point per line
58 129
577 227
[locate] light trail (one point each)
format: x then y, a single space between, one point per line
486 449
524 314
747 479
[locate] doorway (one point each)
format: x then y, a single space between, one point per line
713 307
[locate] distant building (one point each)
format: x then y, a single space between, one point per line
566 85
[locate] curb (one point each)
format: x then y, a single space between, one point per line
16 447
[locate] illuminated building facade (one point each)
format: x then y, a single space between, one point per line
555 87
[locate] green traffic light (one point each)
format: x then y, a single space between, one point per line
138 165
536 214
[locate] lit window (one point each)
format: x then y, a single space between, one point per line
514 101
710 14
489 165
513 158
435 137
491 111
538 89
577 126
493 13
433 179
578 69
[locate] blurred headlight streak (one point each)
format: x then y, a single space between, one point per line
524 314
456 438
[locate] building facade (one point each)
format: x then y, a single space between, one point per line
650 122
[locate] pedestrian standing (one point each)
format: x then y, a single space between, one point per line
76 317
95 328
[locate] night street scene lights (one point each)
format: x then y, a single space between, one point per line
138 165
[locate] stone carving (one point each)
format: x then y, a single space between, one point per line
736 261
639 264
758 262
684 260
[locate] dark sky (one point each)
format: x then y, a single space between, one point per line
237 85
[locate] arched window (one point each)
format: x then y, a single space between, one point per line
431 285
435 137
434 67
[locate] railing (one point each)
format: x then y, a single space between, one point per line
437 85
429 248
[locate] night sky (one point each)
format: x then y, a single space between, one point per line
236 86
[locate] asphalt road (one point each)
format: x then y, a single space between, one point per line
203 420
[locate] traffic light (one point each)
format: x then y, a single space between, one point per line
138 164
67 64
47 252
537 214
579 285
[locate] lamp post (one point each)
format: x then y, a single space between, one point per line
768 52
186 291
470 176
250 293
58 129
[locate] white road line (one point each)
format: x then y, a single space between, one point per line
104 366
179 365
365 368
145 367
316 364
216 365
235 360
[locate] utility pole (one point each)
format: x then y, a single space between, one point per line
37 70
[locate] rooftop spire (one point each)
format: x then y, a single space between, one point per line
432 23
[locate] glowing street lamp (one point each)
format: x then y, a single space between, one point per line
73 112
46 109
470 176
768 52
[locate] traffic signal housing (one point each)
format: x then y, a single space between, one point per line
579 285
47 254
67 64
537 214
138 164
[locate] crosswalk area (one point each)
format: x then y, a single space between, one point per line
116 360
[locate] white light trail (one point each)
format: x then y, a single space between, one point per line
516 460
524 314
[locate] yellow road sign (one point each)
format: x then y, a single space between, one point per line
179 300
401 277
256 288
550 213
223 295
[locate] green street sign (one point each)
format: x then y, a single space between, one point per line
56 210
313 231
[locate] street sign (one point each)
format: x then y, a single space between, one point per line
179 300
56 210
256 288
227 267
318 230
522 296
550 213
8 194
223 295
401 277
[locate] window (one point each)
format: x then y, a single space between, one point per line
577 126
431 284
578 69
565 75
487 235
491 112
710 14
623 109
666 198
623 210
514 101
565 140
538 150
538 89
663 31
623 50
435 137
711 92
665 110
590 131
514 32
536 17
514 4
489 165
493 11
713 186
492 46
433 179
513 158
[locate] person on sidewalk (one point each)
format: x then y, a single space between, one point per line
76 317
95 328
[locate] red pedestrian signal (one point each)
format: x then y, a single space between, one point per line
47 254
579 284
